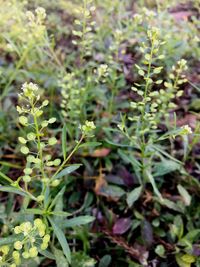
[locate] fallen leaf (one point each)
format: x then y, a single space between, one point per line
181 15
121 226
147 233
101 153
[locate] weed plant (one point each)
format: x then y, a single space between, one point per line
105 149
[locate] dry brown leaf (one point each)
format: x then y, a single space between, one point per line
101 153
181 15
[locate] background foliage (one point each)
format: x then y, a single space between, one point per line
99 133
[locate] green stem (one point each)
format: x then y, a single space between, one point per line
84 32
68 158
143 142
38 142
5 177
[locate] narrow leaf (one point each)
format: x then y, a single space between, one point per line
185 195
171 205
10 239
5 177
62 240
64 141
47 254
57 197
10 189
90 144
34 211
153 183
61 213
67 170
133 196
78 221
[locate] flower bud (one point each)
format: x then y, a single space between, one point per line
18 245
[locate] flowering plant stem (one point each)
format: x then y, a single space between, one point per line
69 157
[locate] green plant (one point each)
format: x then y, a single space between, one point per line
151 107
95 60
84 29
184 246
40 169
34 33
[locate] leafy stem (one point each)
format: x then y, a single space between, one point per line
69 157
38 141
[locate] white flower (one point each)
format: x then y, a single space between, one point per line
186 129
41 12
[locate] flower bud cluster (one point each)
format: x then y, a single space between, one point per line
85 26
147 107
102 73
88 128
36 23
33 235
32 238
72 97
156 104
30 117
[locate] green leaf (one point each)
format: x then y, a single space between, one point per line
171 205
178 227
129 158
112 191
105 261
47 254
57 197
46 196
67 170
185 195
10 239
188 258
90 144
133 196
64 141
116 144
61 213
61 261
165 166
192 236
34 211
5 177
184 261
153 183
160 250
78 221
159 149
10 189
5 163
62 240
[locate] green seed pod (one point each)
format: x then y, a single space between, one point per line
22 140
23 120
18 245
52 141
31 136
33 252
26 255
55 183
26 178
24 150
44 246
